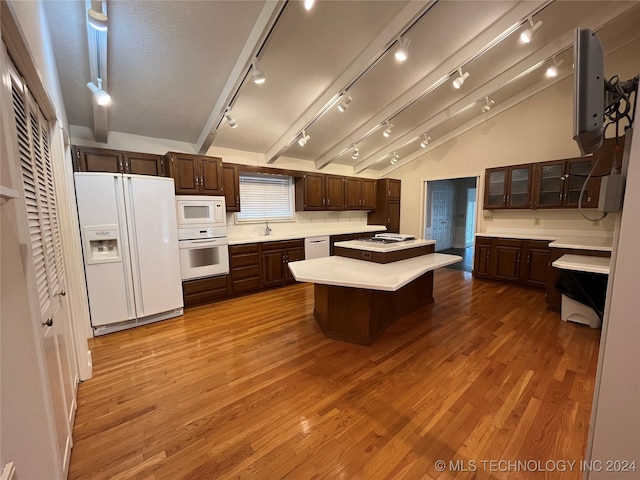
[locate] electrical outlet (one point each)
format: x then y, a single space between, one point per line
536 221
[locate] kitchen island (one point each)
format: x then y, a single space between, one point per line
356 300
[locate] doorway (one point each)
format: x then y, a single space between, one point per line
450 217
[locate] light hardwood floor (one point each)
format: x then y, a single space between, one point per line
250 388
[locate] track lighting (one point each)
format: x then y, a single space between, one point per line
302 141
552 71
96 18
487 105
394 158
402 52
387 131
230 120
345 100
308 4
527 35
457 83
102 97
258 74
355 153
425 141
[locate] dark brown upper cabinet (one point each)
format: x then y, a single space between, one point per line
387 210
558 184
91 159
316 191
360 193
231 186
196 174
508 187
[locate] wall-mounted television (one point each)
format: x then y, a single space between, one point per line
589 91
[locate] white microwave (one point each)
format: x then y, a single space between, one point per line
200 211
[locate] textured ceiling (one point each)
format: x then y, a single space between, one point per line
174 66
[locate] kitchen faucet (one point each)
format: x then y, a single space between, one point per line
267 230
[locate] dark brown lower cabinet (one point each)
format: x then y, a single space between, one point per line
244 263
482 258
275 257
205 290
506 259
512 260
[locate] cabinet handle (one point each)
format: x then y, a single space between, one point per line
565 196
588 199
201 180
121 167
529 258
237 199
560 195
197 180
328 201
126 167
518 258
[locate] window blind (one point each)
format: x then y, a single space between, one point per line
265 197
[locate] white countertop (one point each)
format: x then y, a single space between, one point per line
576 242
383 247
314 230
349 272
583 263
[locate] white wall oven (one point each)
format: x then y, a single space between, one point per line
202 236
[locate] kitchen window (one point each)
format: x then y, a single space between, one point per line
265 197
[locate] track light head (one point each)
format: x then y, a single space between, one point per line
457 83
402 52
344 102
552 71
258 74
308 4
394 158
304 138
527 35
102 97
356 153
387 131
230 120
425 141
487 105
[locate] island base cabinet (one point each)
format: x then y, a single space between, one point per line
359 315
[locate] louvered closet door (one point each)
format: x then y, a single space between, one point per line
40 202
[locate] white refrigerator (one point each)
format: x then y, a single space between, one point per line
130 247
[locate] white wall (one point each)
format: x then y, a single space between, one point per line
615 428
536 130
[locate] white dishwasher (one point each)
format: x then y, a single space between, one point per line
316 247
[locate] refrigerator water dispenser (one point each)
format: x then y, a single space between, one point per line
102 244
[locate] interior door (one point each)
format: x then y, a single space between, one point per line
442 216
45 266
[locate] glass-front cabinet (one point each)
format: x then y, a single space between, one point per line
549 185
519 191
495 188
577 171
558 184
508 187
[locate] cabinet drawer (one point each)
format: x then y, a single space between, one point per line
245 272
483 240
246 285
283 245
541 244
244 260
205 284
508 242
243 249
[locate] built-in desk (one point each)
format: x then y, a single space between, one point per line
592 292
355 300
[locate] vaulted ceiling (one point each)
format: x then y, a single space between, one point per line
176 67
